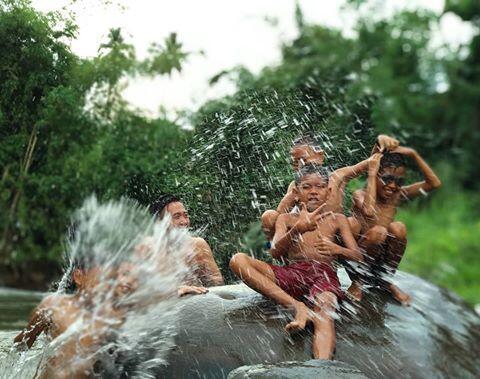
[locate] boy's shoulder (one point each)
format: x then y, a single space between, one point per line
54 300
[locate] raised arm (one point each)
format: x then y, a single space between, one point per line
38 323
204 257
370 195
288 201
344 174
431 181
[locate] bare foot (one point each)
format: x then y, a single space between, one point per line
302 316
402 297
355 292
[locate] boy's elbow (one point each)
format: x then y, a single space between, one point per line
437 183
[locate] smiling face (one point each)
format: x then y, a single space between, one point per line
178 214
313 191
303 154
389 182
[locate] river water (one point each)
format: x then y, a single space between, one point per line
15 307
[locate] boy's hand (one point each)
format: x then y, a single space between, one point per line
307 221
327 247
374 163
404 150
191 290
386 143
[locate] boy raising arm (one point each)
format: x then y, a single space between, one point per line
375 207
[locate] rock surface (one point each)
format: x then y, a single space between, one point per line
232 326
298 370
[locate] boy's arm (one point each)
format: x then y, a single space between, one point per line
288 201
431 181
351 251
368 205
37 324
205 257
344 174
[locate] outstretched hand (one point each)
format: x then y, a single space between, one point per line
191 290
307 221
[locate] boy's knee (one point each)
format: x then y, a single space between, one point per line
269 218
398 230
376 235
237 261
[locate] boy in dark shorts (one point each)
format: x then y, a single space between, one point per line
305 241
308 150
384 239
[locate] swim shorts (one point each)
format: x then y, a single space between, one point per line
303 280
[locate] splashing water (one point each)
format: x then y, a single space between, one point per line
122 316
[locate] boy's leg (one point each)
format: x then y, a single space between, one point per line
269 219
260 276
323 343
372 242
396 245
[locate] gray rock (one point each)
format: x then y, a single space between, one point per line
298 370
232 326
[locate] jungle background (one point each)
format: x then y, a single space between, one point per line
67 133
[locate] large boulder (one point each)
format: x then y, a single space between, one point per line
232 326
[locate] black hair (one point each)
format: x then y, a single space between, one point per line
159 205
311 169
392 160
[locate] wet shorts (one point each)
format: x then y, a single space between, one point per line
304 280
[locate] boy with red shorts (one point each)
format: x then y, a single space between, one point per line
305 241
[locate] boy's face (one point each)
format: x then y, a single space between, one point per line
303 154
178 214
313 191
390 181
127 280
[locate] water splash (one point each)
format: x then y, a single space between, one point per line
124 317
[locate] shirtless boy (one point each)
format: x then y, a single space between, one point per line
205 271
305 241
56 313
308 150
383 238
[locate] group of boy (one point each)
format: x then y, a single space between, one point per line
309 233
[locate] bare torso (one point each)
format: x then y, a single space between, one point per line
384 213
305 247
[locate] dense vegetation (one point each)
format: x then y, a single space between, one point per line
66 132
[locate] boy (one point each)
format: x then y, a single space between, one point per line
384 239
57 313
204 269
304 240
307 150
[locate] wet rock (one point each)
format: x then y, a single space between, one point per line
298 370
232 326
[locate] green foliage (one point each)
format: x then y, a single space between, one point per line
65 130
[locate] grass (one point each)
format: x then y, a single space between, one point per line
443 242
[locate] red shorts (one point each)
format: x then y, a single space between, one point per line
304 280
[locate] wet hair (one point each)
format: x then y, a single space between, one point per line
392 160
157 207
311 169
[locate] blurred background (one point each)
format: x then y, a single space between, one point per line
203 99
